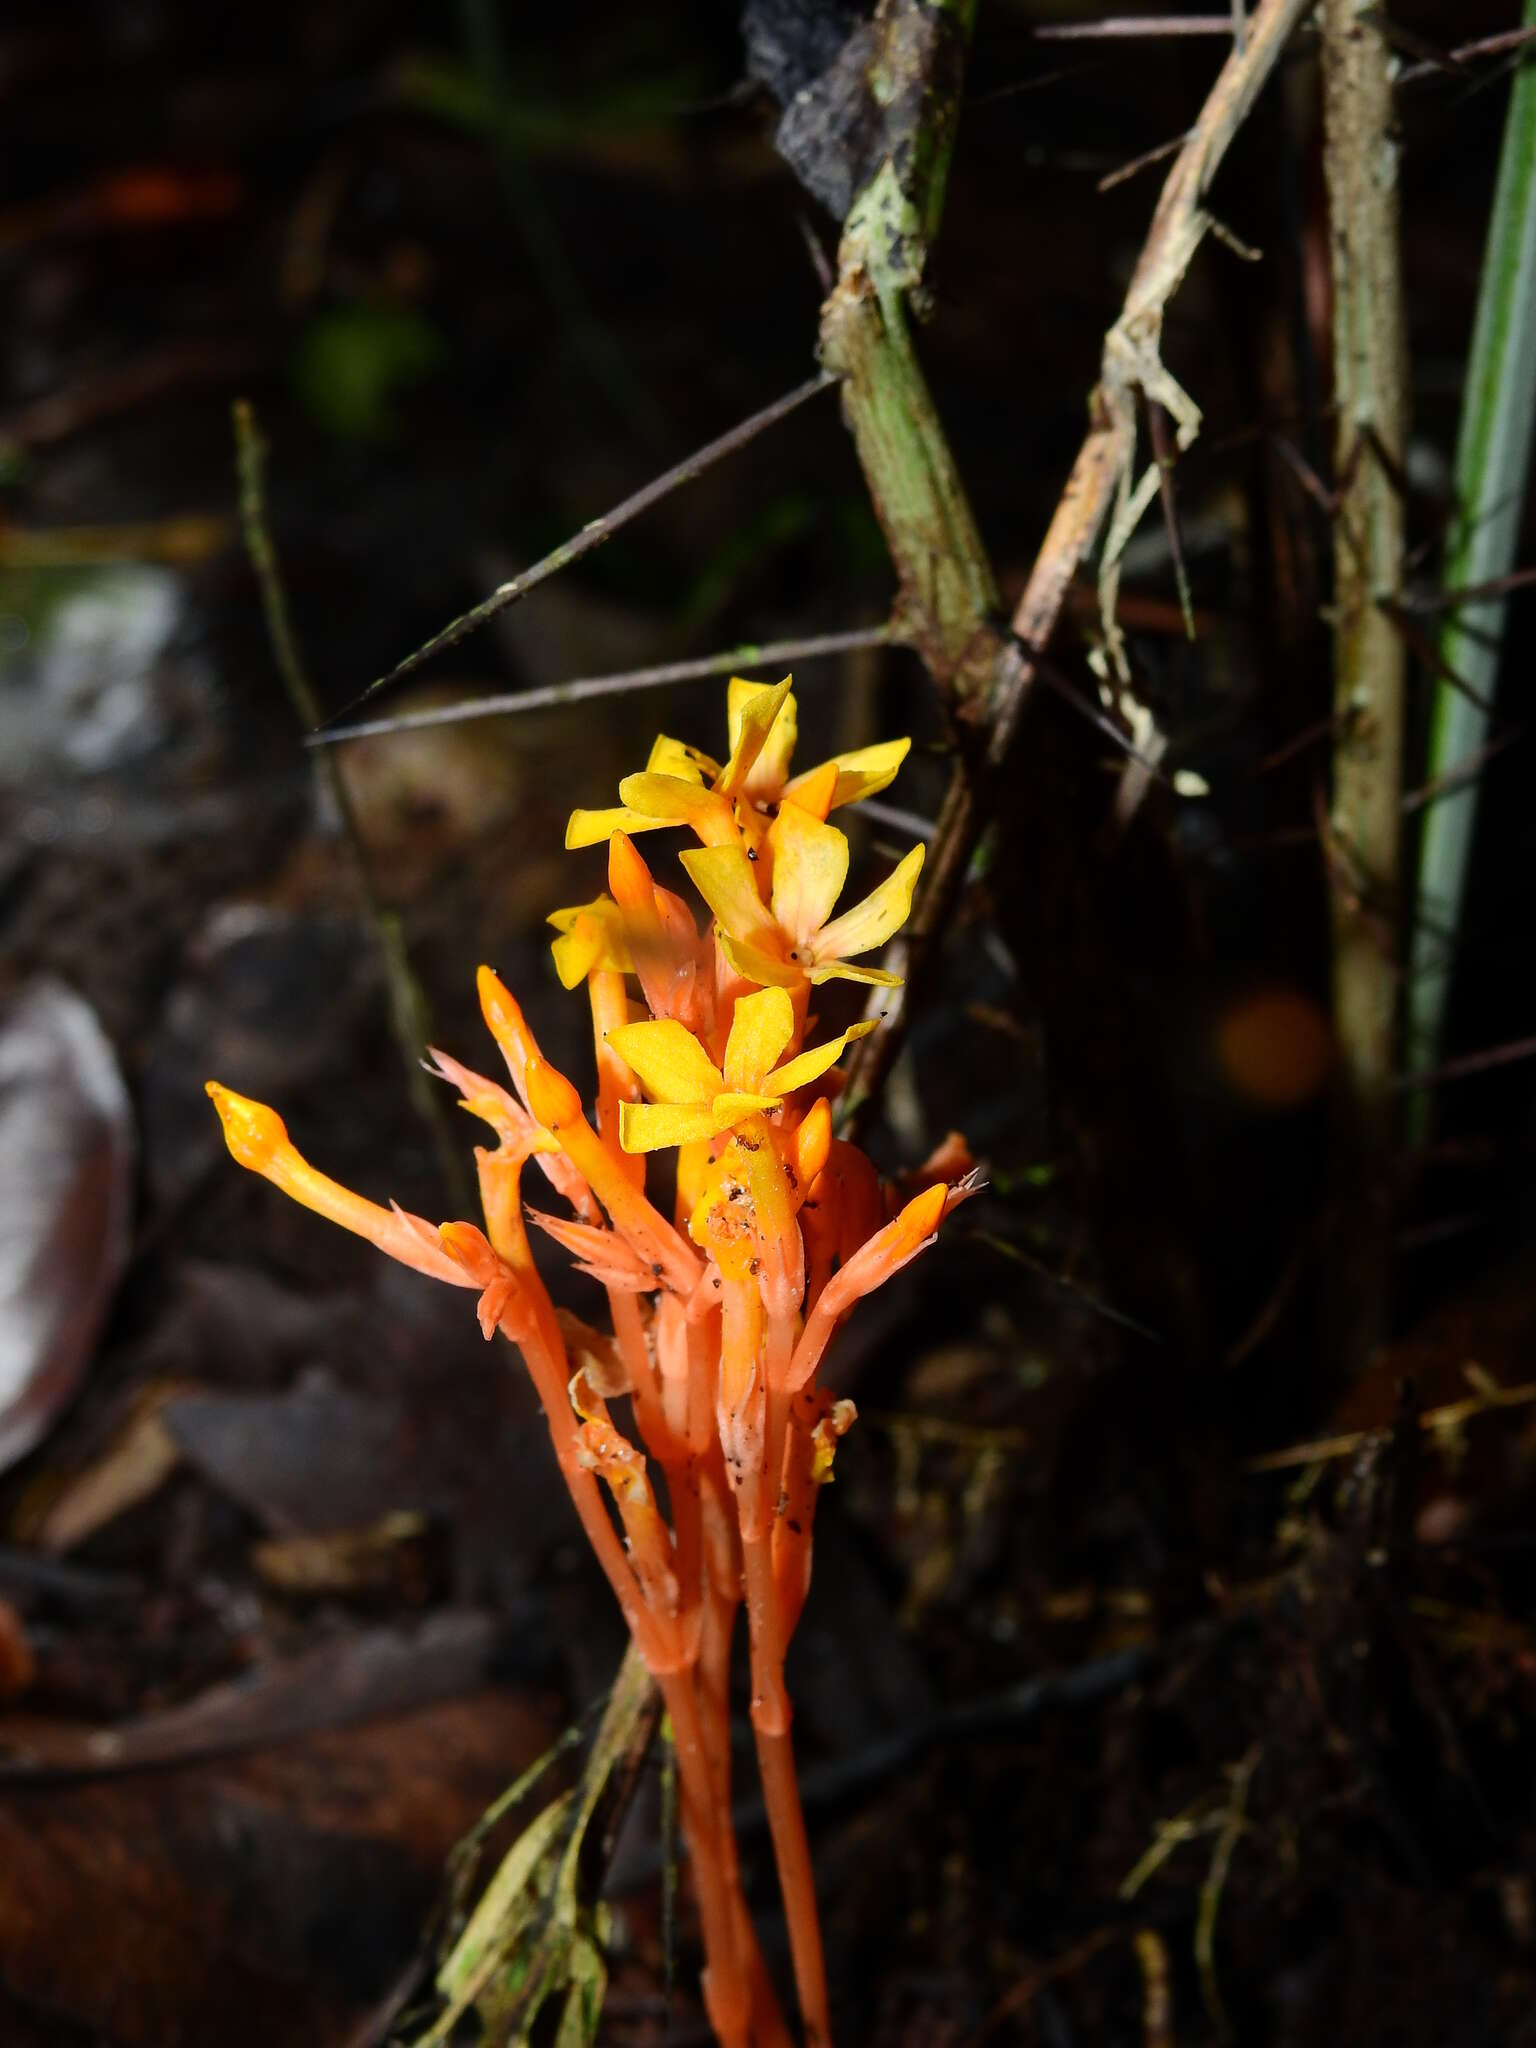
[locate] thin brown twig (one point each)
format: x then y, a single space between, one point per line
1039 81
1131 363
1326 1450
1323 728
1430 654
1459 776
1432 601
123 389
1162 455
1017 2001
750 654
1134 28
1144 162
1131 360
596 531
1403 39
1457 59
1470 1064
407 1001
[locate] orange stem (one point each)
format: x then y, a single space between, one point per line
771 1716
792 1530
728 1990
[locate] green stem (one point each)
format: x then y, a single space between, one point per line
1370 655
948 593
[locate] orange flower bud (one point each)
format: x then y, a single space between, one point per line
258 1138
917 1222
506 1023
872 1264
813 1141
551 1098
253 1133
499 1293
628 876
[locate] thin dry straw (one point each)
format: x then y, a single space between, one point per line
765 654
596 531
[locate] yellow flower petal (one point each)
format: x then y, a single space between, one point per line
739 692
731 1105
810 1066
596 828
751 724
669 800
591 935
566 920
863 772
816 791
676 757
771 769
649 1126
667 797
752 964
810 866
840 970
762 1025
668 1060
871 923
576 953
724 877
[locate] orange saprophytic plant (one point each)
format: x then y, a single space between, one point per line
721 1317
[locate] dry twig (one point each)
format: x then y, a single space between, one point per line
594 533
1102 477
408 1015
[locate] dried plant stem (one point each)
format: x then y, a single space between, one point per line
408 1011
766 654
595 532
905 470
1132 360
949 595
1370 656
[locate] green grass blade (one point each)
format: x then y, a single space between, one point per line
1493 455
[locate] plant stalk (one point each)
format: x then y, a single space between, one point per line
1370 658
949 595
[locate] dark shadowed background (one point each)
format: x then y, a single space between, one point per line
276 1516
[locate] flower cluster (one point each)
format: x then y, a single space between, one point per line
720 1314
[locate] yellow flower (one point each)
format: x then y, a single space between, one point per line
692 1098
794 938
682 786
591 935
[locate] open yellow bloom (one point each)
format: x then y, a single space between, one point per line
794 938
692 1098
682 786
